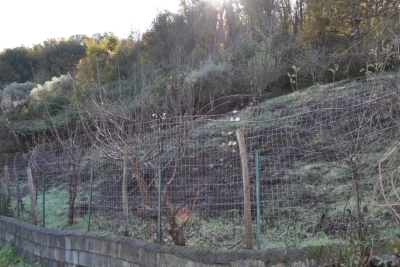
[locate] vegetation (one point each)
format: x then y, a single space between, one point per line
9 258
210 58
189 62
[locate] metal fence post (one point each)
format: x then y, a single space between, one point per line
258 201
17 185
90 198
44 198
159 230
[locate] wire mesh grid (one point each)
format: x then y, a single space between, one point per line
317 174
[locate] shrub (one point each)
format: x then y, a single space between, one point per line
18 91
56 87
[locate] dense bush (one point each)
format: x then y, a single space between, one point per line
56 87
19 91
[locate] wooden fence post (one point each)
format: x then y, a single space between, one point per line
246 190
32 194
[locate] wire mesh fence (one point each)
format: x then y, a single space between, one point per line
312 168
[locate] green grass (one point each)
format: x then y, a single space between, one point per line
9 258
56 210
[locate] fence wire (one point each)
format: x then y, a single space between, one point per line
318 176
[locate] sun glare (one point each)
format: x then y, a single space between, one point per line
217 3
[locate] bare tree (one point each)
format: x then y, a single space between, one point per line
65 148
125 133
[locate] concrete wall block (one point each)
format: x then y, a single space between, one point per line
148 257
249 263
86 251
20 232
39 237
68 244
54 263
45 239
94 245
48 252
59 254
120 263
35 236
18 241
37 249
27 245
12 227
86 258
2 234
56 241
45 252
9 237
172 260
54 254
26 233
72 257
110 249
78 242
101 261
129 253
9 227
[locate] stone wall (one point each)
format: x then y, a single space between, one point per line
73 248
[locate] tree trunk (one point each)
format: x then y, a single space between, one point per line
211 96
176 233
144 191
175 230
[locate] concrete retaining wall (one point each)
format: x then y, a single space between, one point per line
73 248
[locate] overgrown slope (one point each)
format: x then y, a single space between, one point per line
318 154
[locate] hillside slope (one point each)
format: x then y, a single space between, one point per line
318 153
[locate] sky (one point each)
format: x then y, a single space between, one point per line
29 22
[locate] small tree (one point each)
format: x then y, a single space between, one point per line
121 134
262 69
310 62
212 79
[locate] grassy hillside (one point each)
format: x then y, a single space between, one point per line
320 179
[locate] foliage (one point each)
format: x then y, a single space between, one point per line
359 30
206 51
40 63
9 258
262 69
15 66
56 57
19 91
98 66
212 80
55 88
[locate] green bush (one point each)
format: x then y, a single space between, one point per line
18 91
58 86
